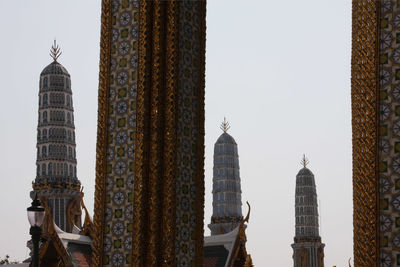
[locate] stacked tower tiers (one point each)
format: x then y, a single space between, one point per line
56 177
227 202
307 248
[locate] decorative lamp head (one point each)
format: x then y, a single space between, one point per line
36 213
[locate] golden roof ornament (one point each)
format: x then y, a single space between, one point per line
55 51
304 161
225 125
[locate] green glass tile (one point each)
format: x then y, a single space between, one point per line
121 92
123 62
384 241
384 23
124 33
383 94
120 151
132 105
383 58
129 227
125 3
383 130
384 204
120 182
128 258
121 122
118 213
383 166
117 243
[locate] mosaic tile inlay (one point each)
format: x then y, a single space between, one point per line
150 178
389 133
121 134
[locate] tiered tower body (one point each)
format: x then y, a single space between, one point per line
308 251
227 193
56 178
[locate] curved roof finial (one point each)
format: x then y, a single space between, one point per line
225 125
304 161
248 213
55 51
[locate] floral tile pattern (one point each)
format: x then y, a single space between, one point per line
121 134
389 139
124 105
188 133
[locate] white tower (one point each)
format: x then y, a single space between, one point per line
227 193
56 180
308 251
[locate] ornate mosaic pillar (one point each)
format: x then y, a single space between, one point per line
365 98
376 135
150 146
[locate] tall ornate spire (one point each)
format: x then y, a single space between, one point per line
304 161
56 177
225 126
227 199
307 248
55 51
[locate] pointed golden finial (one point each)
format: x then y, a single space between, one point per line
225 126
55 51
304 161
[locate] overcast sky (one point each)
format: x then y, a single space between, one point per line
278 70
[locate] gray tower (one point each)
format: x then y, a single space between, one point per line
227 199
308 251
56 181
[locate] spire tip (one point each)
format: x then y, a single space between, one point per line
55 51
304 161
225 125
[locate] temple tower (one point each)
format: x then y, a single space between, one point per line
227 199
308 251
56 181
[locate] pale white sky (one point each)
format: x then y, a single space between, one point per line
278 70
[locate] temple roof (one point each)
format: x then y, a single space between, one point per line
305 171
65 249
76 238
226 138
218 249
54 68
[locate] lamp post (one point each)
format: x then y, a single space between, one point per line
35 217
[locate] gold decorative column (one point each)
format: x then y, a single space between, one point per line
150 148
364 95
376 132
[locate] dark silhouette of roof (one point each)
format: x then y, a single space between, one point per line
54 68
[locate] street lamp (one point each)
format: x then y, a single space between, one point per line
35 217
